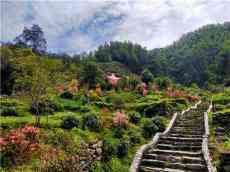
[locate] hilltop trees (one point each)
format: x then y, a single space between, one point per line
33 38
6 69
146 76
90 74
224 63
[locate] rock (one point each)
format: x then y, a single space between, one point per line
99 151
100 143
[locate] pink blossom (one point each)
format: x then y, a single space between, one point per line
3 142
144 89
113 80
145 92
30 130
60 88
120 119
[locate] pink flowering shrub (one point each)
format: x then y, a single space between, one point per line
155 87
120 119
180 94
142 89
73 86
113 79
19 145
145 89
60 88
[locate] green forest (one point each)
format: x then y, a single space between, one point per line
92 111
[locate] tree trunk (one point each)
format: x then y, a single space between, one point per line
37 118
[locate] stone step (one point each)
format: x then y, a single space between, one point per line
187 129
197 122
154 169
189 125
179 142
185 135
174 159
182 139
191 117
175 152
187 132
180 166
178 147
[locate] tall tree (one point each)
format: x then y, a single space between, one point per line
34 38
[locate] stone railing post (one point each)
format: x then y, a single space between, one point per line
205 150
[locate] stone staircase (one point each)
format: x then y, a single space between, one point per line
181 148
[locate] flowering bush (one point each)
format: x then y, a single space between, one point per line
73 86
180 94
155 88
106 120
142 89
19 145
120 119
60 88
113 79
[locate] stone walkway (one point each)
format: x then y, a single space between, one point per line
181 148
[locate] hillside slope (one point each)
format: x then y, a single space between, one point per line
200 57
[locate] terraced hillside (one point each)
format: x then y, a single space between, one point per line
181 148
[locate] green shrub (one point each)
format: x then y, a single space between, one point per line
181 101
118 132
61 139
161 108
146 76
47 106
116 100
100 167
159 122
91 122
8 111
134 137
122 149
69 122
8 102
134 117
66 95
107 151
149 128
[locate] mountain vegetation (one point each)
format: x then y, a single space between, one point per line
92 111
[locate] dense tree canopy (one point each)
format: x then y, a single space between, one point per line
33 38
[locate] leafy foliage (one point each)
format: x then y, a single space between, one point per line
91 122
69 122
32 37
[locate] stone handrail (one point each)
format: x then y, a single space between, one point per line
171 124
205 150
137 158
